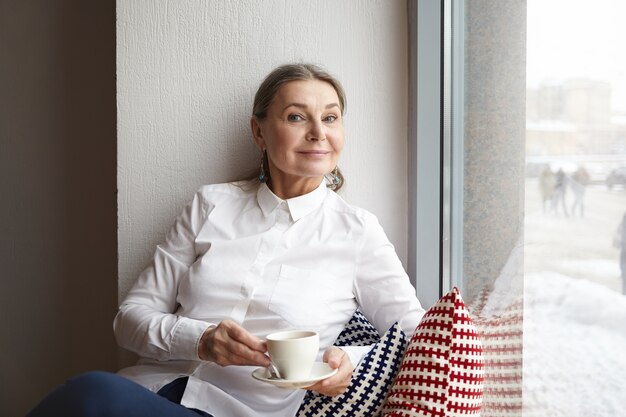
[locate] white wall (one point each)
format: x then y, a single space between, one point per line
187 72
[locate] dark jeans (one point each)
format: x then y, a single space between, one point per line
103 394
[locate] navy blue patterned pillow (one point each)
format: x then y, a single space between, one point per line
358 332
371 380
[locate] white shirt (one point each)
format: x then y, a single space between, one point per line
239 252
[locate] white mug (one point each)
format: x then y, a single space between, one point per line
293 352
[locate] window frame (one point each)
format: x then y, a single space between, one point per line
435 166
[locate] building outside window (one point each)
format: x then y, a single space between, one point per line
533 183
575 202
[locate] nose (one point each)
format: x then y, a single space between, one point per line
316 132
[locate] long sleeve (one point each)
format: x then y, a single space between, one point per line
147 323
241 253
383 289
384 292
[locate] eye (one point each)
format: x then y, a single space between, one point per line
294 118
330 118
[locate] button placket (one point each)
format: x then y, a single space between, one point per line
265 254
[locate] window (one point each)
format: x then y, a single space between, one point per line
575 201
526 125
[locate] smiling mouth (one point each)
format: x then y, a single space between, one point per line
314 152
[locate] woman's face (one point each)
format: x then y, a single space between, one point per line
302 132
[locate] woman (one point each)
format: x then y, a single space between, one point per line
247 259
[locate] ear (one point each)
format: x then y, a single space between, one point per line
257 133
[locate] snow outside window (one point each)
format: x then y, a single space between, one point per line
537 183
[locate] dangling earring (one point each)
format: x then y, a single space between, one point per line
335 180
262 174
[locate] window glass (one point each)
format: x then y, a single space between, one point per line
575 203
493 104
543 104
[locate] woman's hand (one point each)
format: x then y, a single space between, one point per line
336 384
230 344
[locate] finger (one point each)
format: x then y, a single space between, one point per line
225 357
239 340
241 335
261 360
341 378
226 349
336 384
334 356
332 386
243 355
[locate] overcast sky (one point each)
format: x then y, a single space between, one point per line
578 38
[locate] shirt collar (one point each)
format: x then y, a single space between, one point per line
298 206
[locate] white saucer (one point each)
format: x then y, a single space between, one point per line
320 371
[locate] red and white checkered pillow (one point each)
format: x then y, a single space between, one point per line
442 370
500 330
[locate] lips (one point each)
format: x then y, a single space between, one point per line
314 152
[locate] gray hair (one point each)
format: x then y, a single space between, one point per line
292 72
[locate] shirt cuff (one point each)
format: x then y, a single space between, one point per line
187 337
356 353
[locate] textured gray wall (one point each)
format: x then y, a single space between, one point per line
187 73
